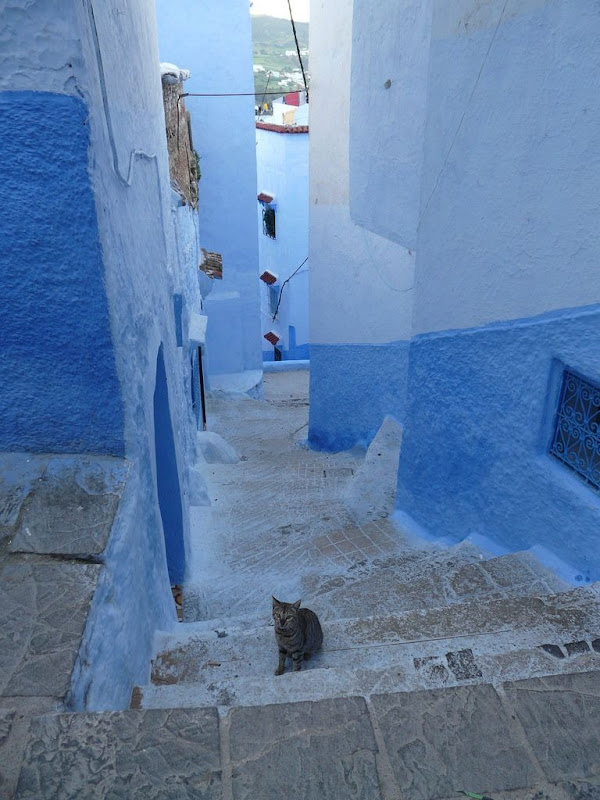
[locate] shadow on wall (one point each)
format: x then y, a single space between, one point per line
167 477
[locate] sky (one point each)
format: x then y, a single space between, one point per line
279 8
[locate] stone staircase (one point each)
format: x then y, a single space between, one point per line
444 619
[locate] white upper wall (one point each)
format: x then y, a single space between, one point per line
282 166
360 281
509 213
53 58
387 115
214 41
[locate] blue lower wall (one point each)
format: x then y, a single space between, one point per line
478 425
299 353
352 388
60 391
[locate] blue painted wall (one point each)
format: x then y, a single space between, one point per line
60 391
479 423
295 352
197 35
352 388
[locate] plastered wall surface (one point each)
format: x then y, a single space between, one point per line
60 391
390 60
504 292
199 36
479 424
282 169
360 279
508 230
506 287
142 264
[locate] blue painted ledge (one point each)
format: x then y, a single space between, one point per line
285 366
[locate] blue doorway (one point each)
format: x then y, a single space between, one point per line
167 476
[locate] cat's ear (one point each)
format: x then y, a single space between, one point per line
297 604
275 601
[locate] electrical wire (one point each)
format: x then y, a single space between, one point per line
230 94
262 102
284 283
464 114
298 50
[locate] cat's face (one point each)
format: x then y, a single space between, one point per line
285 615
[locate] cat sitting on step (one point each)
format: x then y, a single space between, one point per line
298 633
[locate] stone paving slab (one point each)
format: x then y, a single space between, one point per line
444 740
313 751
171 755
71 508
6 722
15 716
43 611
561 718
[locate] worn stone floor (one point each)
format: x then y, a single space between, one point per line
56 514
443 670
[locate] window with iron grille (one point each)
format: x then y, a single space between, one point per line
268 216
576 440
273 299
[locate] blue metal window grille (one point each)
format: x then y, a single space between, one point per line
268 216
576 439
273 299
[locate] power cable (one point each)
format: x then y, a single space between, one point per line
228 94
283 284
298 51
266 87
464 114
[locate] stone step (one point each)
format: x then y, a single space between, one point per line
475 641
536 738
293 561
409 581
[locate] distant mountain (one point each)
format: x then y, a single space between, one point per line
274 50
275 33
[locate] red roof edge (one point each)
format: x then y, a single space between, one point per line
268 277
263 197
267 126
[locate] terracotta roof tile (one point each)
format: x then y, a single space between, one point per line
267 126
268 277
263 197
271 337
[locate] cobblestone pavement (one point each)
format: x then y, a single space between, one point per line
527 740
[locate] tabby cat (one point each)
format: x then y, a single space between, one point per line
297 631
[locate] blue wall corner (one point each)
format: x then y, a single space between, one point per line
352 388
478 426
60 391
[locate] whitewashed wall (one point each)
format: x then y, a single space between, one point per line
282 169
213 41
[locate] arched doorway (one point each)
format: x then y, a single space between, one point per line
167 477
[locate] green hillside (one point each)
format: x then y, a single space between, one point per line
272 37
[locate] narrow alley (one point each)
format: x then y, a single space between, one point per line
300 303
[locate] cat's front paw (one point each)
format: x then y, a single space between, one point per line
279 671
